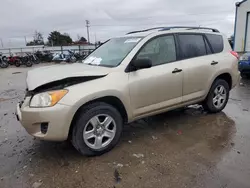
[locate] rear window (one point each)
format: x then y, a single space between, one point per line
216 42
192 45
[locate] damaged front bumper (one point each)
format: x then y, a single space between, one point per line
51 123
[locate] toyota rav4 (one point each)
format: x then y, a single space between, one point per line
140 74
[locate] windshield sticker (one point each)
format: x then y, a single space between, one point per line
96 61
89 60
133 40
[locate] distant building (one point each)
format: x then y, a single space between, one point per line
242 27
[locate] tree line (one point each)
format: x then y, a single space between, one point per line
55 38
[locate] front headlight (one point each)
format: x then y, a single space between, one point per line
47 99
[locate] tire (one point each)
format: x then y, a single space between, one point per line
29 64
83 123
4 64
17 63
209 104
36 62
245 75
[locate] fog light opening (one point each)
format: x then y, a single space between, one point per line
44 128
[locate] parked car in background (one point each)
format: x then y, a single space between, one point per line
244 65
137 75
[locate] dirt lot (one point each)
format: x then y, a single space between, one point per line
183 148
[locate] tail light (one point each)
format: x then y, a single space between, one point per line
235 54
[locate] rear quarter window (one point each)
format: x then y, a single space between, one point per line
216 42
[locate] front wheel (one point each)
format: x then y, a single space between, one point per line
97 129
4 64
217 97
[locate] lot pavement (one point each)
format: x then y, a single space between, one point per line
182 148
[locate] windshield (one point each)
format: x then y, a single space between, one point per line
112 52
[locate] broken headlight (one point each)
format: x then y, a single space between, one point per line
47 99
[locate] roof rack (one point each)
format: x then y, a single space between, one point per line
145 30
174 27
190 28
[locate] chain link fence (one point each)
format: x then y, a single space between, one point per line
82 49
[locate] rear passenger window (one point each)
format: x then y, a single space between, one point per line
192 46
216 42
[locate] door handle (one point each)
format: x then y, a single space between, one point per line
214 62
176 70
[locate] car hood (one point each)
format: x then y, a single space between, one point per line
44 75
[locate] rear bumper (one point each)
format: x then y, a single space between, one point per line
57 120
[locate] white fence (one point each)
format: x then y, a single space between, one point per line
75 48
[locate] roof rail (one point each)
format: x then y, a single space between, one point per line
188 27
145 30
174 27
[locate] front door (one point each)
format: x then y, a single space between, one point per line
160 86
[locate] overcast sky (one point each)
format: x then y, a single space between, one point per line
108 18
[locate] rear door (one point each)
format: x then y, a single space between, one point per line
197 60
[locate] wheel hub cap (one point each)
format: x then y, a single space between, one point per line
220 96
99 131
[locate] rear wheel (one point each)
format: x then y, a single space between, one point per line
217 97
97 129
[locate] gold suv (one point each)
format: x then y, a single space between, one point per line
127 78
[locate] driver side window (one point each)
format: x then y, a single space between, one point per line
159 50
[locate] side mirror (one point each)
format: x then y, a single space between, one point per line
142 63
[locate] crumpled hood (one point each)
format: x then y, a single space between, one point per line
40 76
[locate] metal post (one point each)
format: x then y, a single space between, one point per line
62 49
87 25
25 40
1 42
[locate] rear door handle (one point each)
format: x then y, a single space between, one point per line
214 62
176 70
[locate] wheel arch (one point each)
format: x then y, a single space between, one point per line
227 77
111 100
224 76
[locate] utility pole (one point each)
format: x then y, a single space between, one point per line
87 25
1 42
25 40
